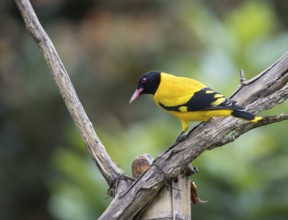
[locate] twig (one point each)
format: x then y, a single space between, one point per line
242 78
249 126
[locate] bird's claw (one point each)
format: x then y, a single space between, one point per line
180 137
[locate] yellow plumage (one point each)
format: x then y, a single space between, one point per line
174 90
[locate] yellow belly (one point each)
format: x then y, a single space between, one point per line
200 115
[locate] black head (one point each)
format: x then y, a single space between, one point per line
148 84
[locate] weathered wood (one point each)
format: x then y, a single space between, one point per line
172 202
174 199
97 151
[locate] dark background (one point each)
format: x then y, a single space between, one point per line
45 170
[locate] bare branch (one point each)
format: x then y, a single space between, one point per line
248 126
109 170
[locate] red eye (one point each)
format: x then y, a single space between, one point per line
143 80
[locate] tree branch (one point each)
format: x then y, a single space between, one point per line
260 93
97 151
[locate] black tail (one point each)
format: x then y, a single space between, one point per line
245 115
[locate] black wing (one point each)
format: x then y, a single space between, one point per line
206 99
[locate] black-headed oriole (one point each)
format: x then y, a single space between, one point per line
188 99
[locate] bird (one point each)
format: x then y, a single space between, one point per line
188 100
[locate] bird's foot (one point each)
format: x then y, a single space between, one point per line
190 170
180 137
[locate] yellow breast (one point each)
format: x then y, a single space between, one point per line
200 115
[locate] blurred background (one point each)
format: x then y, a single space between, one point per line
45 170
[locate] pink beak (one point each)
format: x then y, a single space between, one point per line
136 94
